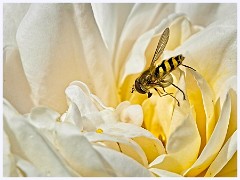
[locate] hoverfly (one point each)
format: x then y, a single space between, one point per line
159 76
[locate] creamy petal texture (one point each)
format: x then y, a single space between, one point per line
67 51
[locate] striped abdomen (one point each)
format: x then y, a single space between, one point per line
168 65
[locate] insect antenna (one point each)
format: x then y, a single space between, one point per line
189 67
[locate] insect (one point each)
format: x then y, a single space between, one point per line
156 77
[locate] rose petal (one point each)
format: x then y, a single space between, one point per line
224 155
143 137
121 144
9 166
208 100
183 135
13 14
215 142
111 19
15 85
79 153
22 134
214 11
230 169
27 169
55 63
122 164
130 113
212 52
163 173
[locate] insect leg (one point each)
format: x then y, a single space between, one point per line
170 94
159 93
184 98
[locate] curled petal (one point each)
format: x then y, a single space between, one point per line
27 169
9 166
224 155
163 173
39 151
143 137
130 113
208 103
215 142
121 144
79 153
122 164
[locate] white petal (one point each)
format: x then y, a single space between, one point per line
121 144
77 96
111 19
215 142
122 164
152 146
212 52
225 154
163 173
27 169
13 14
15 85
9 166
214 11
43 118
39 151
60 47
130 113
79 153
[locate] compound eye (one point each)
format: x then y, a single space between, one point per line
138 87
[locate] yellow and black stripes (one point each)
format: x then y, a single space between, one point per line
168 65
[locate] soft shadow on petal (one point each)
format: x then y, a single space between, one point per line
27 169
40 152
122 164
163 173
230 169
118 143
111 19
183 135
224 155
208 103
143 137
15 85
9 166
13 14
212 52
56 41
79 153
197 11
215 142
130 113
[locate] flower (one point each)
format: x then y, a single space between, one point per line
90 54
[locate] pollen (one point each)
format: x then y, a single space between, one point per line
99 131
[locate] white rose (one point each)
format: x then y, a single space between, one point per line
91 54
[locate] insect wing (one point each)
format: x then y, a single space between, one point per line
161 45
